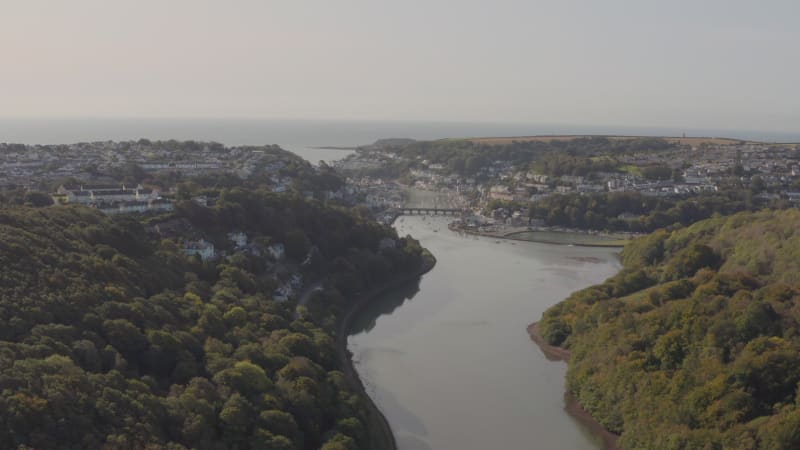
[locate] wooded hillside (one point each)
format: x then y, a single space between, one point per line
114 339
695 344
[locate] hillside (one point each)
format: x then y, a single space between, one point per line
506 140
695 344
112 338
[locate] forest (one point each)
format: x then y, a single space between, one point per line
695 343
635 212
114 339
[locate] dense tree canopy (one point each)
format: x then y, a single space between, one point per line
112 338
695 344
633 211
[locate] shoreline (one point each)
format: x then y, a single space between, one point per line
510 237
573 406
380 432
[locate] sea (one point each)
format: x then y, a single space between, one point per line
306 137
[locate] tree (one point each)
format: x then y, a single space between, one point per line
245 377
297 244
38 199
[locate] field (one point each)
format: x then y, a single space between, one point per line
693 141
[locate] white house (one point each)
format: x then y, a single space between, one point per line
239 239
283 293
134 206
201 248
277 251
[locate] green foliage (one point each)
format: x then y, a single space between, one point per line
38 199
708 357
112 338
613 210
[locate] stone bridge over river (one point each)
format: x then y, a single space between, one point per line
410 211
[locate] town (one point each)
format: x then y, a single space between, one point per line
496 196
507 190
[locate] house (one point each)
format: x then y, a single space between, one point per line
201 248
80 197
296 281
283 293
591 188
500 193
563 189
794 197
572 179
64 189
105 193
277 251
201 200
160 205
134 206
131 207
239 239
518 219
117 195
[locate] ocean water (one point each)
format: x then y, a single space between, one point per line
303 136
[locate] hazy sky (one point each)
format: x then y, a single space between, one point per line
699 63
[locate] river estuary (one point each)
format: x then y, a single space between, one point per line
448 359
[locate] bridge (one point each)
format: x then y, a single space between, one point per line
410 211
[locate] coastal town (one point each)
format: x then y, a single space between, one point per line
269 225
497 197
692 169
502 194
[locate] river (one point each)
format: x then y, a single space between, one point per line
448 359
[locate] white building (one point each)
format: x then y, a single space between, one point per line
277 251
203 249
239 239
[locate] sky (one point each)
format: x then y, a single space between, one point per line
702 63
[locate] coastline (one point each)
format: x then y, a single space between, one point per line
573 406
381 436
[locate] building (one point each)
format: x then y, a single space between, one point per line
277 251
105 193
134 206
203 249
283 293
238 238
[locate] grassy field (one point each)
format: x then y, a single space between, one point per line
633 170
693 141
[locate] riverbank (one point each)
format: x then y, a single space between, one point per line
522 234
380 432
573 406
